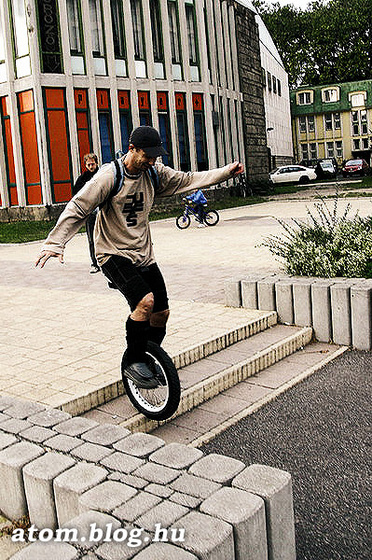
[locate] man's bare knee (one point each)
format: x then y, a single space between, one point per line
144 308
159 319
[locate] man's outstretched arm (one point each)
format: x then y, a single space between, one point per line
45 255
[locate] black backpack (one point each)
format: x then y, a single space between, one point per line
118 183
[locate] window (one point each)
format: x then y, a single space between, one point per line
330 149
356 144
49 34
263 77
27 124
302 124
328 121
8 149
305 151
274 84
365 143
105 125
363 122
269 81
118 34
156 30
3 75
183 135
206 26
58 142
21 47
313 154
330 95
311 123
164 126
279 88
144 108
139 44
199 128
98 44
75 36
192 40
304 98
358 99
175 40
336 121
339 152
83 124
125 119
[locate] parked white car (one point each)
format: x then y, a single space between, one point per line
292 174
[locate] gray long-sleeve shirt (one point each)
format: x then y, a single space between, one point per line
122 225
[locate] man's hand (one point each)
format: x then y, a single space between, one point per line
236 168
45 255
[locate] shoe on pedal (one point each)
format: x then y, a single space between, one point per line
141 375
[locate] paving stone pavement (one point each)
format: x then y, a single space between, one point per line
61 333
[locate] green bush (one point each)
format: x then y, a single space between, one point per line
327 245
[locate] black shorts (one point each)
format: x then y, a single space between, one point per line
134 282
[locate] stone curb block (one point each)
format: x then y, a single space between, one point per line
339 309
274 486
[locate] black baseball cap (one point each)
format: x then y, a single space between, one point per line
148 139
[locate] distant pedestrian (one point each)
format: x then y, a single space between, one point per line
91 164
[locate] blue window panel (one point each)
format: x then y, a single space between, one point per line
201 155
165 138
183 142
145 119
125 128
106 137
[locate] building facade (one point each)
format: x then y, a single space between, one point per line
77 75
332 121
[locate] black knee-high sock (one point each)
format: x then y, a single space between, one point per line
156 334
137 336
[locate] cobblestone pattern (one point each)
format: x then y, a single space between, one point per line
118 478
338 309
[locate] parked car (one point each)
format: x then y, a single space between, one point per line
326 169
355 167
292 174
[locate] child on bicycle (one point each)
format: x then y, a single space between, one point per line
199 203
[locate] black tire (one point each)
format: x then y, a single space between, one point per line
159 403
304 180
183 221
211 218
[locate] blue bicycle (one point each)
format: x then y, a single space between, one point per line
198 209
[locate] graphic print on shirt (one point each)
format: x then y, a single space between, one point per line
133 205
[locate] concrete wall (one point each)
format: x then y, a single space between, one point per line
338 309
77 474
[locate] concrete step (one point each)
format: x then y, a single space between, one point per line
241 326
211 375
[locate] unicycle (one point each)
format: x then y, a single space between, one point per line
162 401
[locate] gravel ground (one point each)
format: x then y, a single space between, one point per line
318 431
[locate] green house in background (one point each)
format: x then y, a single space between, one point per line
332 121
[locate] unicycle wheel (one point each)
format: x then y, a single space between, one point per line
162 401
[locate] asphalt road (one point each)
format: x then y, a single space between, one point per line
318 431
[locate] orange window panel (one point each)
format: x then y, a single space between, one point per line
9 151
81 99
123 98
58 144
54 98
26 101
162 101
143 100
180 101
102 99
62 192
84 146
29 145
197 101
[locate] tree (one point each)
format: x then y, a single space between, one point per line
325 43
